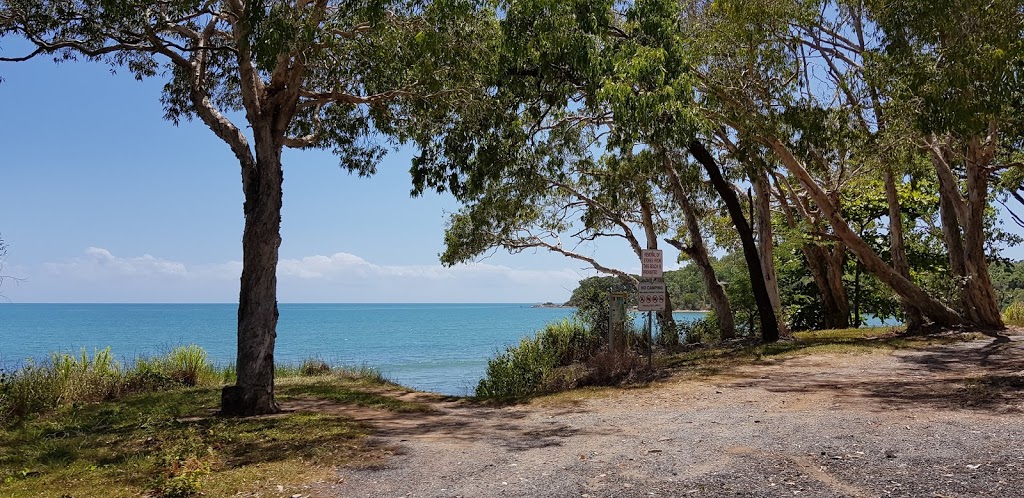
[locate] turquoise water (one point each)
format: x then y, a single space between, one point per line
434 347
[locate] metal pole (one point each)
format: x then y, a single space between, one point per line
650 339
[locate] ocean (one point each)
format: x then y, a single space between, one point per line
441 348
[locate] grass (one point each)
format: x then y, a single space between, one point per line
89 426
171 444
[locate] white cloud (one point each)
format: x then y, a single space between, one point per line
100 275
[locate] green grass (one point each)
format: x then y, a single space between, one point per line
65 379
170 443
90 426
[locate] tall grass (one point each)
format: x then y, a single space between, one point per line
65 379
60 380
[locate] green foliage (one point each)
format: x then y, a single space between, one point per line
1008 280
686 288
1014 313
590 298
531 366
63 379
702 330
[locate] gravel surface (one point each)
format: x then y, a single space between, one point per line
938 422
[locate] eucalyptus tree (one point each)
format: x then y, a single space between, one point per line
564 205
619 67
823 253
691 240
842 40
759 42
263 75
955 70
651 89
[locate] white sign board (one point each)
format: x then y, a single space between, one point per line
651 263
651 296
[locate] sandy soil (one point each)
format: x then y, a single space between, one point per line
939 422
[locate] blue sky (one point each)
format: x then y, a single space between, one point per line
104 201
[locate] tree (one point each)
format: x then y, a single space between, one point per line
956 69
303 74
3 260
590 298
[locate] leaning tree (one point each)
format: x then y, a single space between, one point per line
324 74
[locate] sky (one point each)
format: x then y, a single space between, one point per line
102 200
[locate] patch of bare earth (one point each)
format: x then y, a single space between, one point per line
945 421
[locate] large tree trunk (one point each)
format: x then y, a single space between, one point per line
963 228
828 277
769 325
984 310
698 253
934 309
766 247
826 267
897 246
253 392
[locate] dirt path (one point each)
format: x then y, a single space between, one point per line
942 422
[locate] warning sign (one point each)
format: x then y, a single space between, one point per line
651 295
651 263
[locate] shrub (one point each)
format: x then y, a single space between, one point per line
522 370
564 355
702 330
313 367
188 365
1014 313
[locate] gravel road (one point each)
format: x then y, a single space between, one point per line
944 421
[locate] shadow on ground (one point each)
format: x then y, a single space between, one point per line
976 376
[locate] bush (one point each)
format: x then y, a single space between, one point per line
313 367
702 330
183 365
564 355
1014 313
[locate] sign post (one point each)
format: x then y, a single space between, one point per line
651 290
616 318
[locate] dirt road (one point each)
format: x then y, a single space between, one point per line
941 422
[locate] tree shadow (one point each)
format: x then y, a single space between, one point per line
985 378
